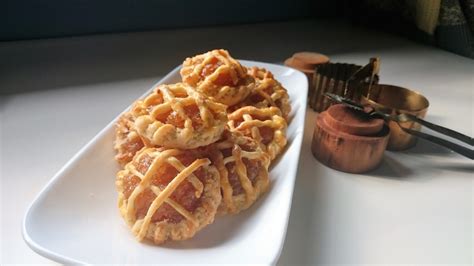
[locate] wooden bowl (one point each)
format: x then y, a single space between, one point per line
396 100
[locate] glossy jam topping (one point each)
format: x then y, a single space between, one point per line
131 147
267 134
253 168
191 111
210 67
256 98
151 102
223 79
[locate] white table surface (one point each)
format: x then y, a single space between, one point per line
417 208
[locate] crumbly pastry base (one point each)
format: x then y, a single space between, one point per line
166 135
162 231
125 134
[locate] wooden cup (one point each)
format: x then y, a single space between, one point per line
348 141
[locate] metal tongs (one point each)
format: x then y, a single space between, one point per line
403 117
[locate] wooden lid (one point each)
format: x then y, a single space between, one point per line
344 119
306 61
311 58
291 63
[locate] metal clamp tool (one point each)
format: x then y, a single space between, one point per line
370 111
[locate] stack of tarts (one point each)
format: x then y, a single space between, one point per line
201 147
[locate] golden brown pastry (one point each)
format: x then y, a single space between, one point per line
243 169
203 146
219 76
168 194
127 141
176 116
265 125
268 92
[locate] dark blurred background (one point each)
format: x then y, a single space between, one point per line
29 19
448 24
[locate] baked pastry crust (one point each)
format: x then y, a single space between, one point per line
268 92
219 76
127 141
177 116
265 125
193 149
153 219
243 169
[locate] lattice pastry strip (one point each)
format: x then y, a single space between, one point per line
219 76
176 116
168 194
243 169
268 92
265 125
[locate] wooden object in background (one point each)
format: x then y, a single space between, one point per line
395 100
342 79
307 62
346 140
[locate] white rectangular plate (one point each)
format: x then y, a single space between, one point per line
75 218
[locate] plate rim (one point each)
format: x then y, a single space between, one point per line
44 190
47 253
